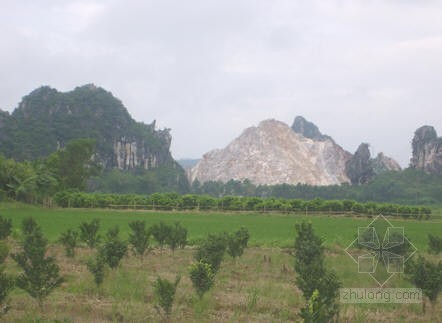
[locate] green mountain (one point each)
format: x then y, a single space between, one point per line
47 120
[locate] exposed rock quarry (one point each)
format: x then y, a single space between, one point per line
273 153
427 150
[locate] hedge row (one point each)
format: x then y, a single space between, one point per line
174 201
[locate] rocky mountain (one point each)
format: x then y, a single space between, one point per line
46 120
272 153
427 150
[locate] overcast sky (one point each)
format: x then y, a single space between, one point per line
362 71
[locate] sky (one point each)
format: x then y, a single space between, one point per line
362 70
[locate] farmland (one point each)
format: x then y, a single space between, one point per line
258 287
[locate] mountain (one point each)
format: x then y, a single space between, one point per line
272 153
46 120
427 150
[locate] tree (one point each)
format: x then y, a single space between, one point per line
113 249
313 277
177 236
69 241
6 281
97 268
161 232
434 244
202 277
5 227
40 274
74 164
164 291
211 251
139 237
427 276
237 242
89 233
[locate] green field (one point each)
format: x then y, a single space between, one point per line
259 287
268 230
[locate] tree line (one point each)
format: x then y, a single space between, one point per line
175 201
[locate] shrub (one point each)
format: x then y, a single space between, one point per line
97 268
6 281
89 233
5 227
161 232
139 237
237 242
211 251
434 244
177 236
202 277
113 249
40 274
319 285
164 291
69 241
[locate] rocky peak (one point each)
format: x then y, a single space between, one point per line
308 129
383 163
358 167
272 153
427 150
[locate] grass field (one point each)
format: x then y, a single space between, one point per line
259 287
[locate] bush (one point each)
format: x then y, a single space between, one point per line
97 268
177 236
434 244
202 277
161 233
139 237
6 281
69 241
237 242
164 291
113 249
211 251
5 227
40 274
89 233
319 285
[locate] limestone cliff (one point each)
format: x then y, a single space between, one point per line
427 150
47 119
272 153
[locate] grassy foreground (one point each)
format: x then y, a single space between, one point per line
259 287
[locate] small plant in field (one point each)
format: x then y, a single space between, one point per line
6 281
211 251
318 284
164 291
89 233
5 227
69 241
177 237
113 249
40 274
139 238
160 233
97 268
202 277
434 244
427 276
237 242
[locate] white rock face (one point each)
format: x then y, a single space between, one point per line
273 153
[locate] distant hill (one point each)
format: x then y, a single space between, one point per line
46 120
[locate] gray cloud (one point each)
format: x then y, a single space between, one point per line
361 70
